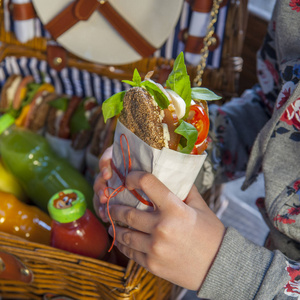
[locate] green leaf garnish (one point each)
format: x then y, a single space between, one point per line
78 120
136 79
200 93
32 88
113 105
60 103
160 98
179 81
190 133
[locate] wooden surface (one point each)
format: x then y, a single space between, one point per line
255 33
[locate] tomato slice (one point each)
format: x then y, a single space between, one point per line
199 149
199 119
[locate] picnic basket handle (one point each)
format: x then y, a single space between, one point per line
208 41
11 268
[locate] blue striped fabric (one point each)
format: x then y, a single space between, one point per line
70 81
170 49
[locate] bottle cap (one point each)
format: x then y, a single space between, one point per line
67 206
6 120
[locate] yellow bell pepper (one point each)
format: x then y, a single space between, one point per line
22 117
23 220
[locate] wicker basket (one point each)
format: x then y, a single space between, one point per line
62 273
223 80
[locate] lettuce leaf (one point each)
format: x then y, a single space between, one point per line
78 120
32 88
60 103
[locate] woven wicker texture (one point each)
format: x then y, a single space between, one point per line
75 276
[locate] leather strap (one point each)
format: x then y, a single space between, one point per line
205 6
202 5
74 12
11 268
24 11
133 38
194 44
81 10
56 57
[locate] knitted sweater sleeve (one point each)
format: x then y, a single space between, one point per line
243 270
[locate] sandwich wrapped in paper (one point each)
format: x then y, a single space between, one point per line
70 126
66 122
160 130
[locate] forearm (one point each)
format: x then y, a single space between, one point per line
243 270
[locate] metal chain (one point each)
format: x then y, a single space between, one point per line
207 42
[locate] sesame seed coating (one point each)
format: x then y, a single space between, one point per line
141 115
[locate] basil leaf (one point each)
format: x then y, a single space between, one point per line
199 93
132 83
60 103
136 79
113 105
160 98
179 81
190 133
78 120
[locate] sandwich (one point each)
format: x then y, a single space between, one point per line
27 101
74 119
84 121
102 136
60 114
14 91
174 116
34 107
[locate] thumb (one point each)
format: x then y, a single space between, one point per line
195 200
156 191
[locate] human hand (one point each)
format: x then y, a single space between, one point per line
105 173
177 241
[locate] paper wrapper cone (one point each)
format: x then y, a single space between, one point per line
176 170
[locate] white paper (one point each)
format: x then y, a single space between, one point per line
176 170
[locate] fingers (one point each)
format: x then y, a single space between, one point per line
104 163
157 192
99 188
195 200
132 243
134 218
137 256
105 174
100 209
136 240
